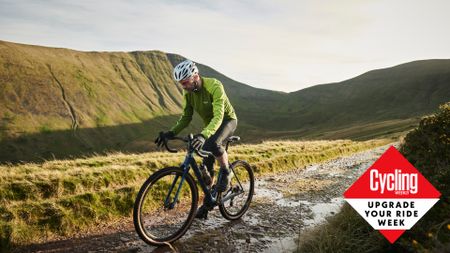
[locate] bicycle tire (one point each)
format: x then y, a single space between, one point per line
138 218
225 208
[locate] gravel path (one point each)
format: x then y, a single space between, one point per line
283 207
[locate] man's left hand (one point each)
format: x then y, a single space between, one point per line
198 141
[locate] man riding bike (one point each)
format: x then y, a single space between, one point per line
207 97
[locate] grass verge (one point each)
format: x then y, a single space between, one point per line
428 149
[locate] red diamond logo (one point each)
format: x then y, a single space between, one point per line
392 195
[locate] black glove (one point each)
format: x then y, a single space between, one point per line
198 141
163 136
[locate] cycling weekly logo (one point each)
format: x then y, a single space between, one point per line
392 195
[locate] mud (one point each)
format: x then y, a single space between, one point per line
284 206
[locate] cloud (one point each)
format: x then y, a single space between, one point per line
282 45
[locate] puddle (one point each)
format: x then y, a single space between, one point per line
321 211
290 203
269 194
287 244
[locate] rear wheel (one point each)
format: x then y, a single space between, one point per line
236 200
158 219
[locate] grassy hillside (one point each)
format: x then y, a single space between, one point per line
58 103
385 101
43 87
62 197
404 91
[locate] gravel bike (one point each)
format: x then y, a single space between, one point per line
166 204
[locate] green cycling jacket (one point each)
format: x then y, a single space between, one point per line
210 102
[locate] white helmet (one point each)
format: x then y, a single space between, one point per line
184 70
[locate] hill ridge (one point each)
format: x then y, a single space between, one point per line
121 100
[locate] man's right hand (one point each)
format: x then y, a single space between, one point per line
163 136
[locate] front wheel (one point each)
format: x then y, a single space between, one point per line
236 200
165 206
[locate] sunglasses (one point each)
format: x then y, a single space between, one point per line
186 81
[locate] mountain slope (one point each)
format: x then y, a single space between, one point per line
101 88
403 91
58 102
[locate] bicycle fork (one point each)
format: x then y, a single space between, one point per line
185 166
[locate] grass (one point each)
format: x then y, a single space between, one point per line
347 231
63 197
428 148
344 232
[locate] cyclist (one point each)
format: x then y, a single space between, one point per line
207 97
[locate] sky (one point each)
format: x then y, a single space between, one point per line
278 45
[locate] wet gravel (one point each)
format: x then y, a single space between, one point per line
283 207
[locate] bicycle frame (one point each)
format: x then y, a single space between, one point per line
189 161
211 196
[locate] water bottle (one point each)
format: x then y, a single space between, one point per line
205 175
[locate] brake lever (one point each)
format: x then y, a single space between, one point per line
203 153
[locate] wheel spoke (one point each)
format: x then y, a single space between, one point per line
237 199
162 216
